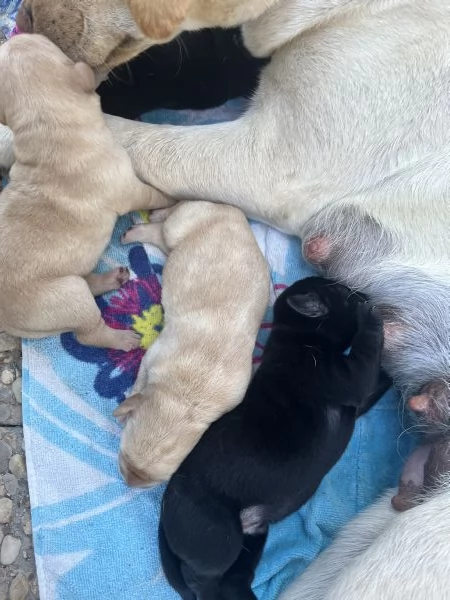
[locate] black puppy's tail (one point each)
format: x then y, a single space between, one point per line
172 568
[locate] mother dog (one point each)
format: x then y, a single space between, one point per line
346 142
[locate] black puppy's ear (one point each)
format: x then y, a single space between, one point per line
308 305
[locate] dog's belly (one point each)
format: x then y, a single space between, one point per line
393 269
365 167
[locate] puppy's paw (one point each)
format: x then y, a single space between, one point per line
118 277
100 283
160 215
369 318
133 235
123 275
127 340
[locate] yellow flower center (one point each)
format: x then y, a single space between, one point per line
149 324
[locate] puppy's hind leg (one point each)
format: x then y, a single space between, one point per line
206 533
147 233
172 568
100 283
67 304
236 583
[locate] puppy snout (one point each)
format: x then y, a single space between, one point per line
132 476
24 19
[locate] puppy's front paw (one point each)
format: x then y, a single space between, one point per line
133 235
369 318
118 277
127 340
161 214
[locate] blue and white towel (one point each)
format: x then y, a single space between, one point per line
95 539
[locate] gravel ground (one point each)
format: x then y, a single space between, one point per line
18 579
17 567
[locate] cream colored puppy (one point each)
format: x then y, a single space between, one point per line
67 187
215 292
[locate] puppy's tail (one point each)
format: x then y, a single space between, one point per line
172 568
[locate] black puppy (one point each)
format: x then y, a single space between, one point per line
263 460
200 69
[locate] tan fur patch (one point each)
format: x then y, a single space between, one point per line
159 19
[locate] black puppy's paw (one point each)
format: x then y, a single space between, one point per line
369 318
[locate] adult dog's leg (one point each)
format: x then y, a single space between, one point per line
222 163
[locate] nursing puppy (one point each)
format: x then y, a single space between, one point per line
346 142
68 185
200 365
263 460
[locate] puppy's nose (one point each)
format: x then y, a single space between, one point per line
24 20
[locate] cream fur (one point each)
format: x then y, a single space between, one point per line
200 366
68 185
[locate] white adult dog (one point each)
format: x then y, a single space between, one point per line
384 555
346 142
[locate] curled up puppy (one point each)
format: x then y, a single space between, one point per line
67 187
263 460
215 291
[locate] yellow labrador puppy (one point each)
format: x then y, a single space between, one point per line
68 185
215 292
345 143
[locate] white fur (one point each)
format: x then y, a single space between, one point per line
384 555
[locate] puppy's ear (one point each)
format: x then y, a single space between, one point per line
85 77
159 19
308 305
126 409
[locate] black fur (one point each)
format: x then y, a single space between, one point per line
197 70
273 450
